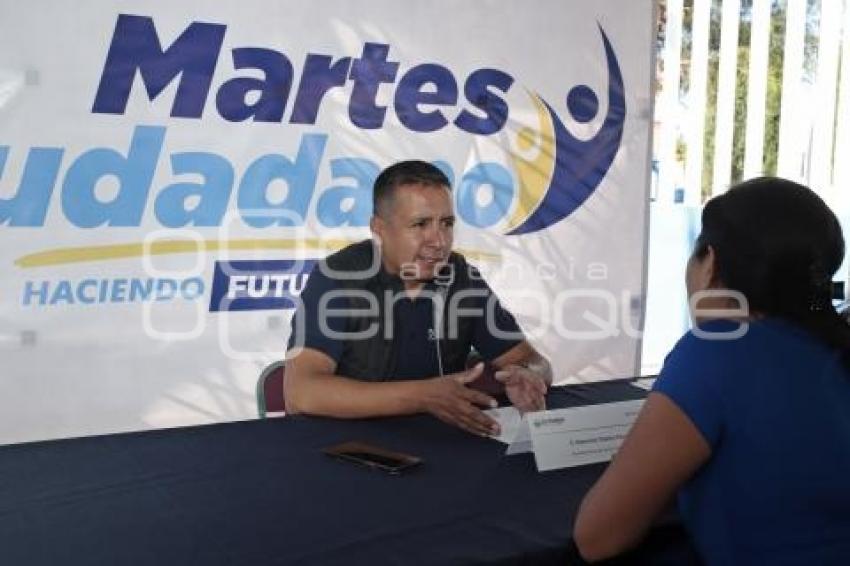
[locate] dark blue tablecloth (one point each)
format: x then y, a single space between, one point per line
262 493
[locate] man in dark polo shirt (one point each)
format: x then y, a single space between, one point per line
385 326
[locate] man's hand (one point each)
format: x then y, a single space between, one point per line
524 387
450 400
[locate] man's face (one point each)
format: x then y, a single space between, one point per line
416 231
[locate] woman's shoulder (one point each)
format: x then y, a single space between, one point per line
712 337
729 335
716 348
716 351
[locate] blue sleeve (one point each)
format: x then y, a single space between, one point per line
306 329
497 331
692 377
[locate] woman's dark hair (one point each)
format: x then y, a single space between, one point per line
778 243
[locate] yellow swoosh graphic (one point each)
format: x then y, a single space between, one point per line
61 256
533 175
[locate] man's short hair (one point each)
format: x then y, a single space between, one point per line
413 172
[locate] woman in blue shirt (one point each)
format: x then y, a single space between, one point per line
749 420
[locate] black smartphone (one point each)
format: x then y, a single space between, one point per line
373 456
487 383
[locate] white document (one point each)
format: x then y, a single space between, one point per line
580 435
514 429
509 419
522 441
644 383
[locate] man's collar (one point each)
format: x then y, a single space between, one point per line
396 283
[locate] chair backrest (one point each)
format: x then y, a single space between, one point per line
270 401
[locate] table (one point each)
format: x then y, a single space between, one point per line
262 493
